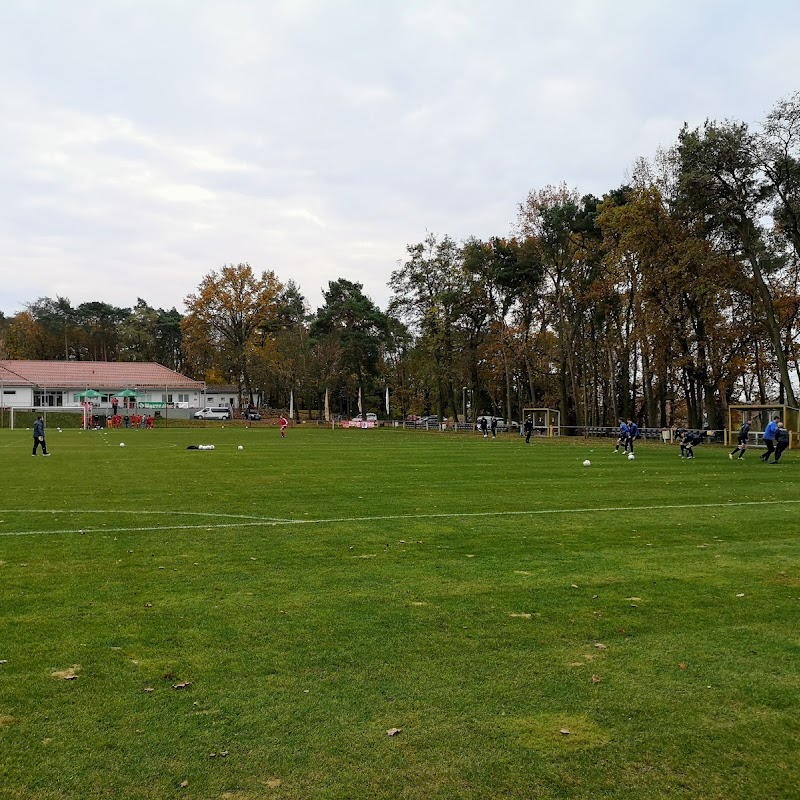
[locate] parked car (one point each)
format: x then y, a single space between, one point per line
370 417
252 414
412 418
213 413
430 421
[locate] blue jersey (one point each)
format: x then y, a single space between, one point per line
634 430
624 431
770 430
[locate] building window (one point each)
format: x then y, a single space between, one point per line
49 399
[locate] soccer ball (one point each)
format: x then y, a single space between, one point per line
631 456
122 444
587 463
240 447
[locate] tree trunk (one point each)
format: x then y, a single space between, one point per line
769 315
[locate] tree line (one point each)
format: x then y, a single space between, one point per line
666 299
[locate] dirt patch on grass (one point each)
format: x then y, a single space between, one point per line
782 580
68 674
551 732
270 783
6 720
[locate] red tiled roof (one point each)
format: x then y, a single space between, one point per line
113 375
8 376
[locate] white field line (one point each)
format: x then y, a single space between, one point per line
269 522
137 512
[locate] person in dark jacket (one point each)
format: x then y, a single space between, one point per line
689 441
633 433
741 441
494 427
528 430
484 426
38 436
781 441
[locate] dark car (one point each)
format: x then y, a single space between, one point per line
252 414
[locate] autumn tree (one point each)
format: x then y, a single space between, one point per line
558 222
230 311
722 191
280 352
26 338
510 271
681 305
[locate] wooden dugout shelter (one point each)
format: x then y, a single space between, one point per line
548 419
759 416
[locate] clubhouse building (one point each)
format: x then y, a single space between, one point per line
45 385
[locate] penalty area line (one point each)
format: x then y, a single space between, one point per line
153 529
256 522
541 511
210 514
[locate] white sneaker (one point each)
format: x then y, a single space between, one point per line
730 456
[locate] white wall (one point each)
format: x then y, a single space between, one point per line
222 399
22 397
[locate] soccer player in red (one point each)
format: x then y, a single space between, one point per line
284 423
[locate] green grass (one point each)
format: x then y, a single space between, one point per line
451 593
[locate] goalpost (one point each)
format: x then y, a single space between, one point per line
546 421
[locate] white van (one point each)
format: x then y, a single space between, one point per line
213 413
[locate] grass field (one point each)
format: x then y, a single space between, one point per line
250 624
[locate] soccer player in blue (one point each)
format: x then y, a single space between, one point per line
769 438
633 433
741 441
624 433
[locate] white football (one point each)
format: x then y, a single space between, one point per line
587 463
240 447
631 456
122 444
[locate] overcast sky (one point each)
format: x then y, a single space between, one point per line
145 143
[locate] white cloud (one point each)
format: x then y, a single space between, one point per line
142 147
